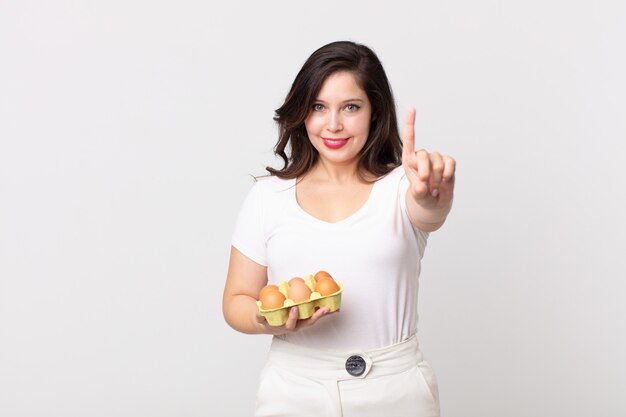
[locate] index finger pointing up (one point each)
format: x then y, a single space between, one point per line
408 135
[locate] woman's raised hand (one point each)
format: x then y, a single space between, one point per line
431 176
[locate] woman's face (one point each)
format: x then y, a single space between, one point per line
339 121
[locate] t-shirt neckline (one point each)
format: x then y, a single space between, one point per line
346 220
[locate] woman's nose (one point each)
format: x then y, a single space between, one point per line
334 122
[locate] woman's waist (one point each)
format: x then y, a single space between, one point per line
345 364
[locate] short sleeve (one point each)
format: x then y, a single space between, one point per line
249 237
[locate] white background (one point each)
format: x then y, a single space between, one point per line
129 130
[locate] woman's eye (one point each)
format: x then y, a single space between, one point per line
352 107
318 107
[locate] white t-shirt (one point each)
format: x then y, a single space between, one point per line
375 253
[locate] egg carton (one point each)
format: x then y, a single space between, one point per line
278 316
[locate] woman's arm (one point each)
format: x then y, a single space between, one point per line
244 281
431 177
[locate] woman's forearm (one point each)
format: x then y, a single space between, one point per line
240 313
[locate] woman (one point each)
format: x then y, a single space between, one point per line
351 200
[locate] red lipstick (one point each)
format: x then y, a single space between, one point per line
335 143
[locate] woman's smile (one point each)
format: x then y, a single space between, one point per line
334 143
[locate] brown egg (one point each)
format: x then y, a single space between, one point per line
322 275
298 291
326 286
272 299
294 279
266 289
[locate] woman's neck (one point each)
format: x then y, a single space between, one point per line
324 171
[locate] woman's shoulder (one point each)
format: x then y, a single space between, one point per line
272 184
393 182
396 174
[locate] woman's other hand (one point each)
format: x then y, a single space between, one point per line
293 324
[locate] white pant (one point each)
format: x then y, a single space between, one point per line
299 381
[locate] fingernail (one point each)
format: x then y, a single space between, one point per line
434 192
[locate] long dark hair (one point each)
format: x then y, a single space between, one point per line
382 151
